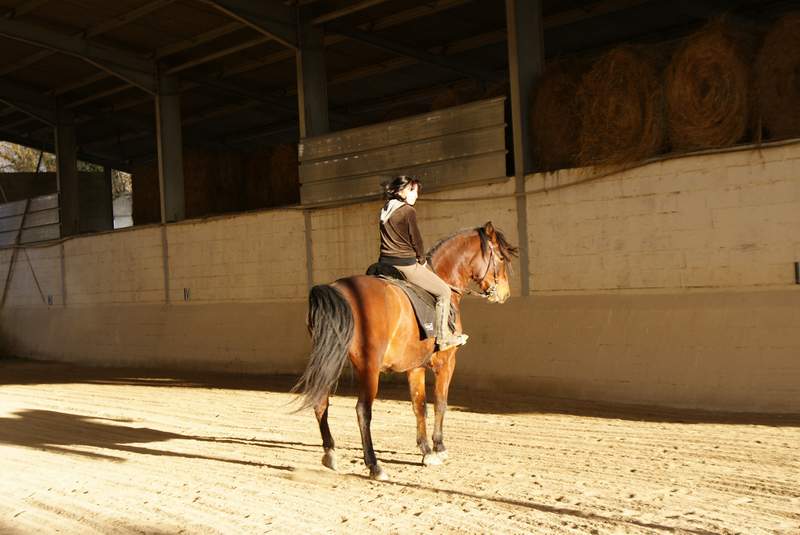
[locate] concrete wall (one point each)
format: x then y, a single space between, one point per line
669 284
715 221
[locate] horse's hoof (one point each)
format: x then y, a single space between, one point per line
329 460
378 474
431 459
443 455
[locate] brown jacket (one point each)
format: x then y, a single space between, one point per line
401 242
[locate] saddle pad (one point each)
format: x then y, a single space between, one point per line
424 305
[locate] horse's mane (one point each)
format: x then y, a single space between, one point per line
506 249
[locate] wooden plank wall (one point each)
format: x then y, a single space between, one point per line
447 147
40 224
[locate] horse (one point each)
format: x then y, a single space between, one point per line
371 322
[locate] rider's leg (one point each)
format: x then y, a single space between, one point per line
428 280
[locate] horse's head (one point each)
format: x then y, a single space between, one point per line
491 268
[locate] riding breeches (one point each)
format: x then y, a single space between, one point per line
430 281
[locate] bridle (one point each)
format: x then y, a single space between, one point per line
491 291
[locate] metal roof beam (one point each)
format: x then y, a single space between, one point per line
342 117
27 101
126 18
191 42
464 68
217 54
236 90
25 120
389 21
24 8
343 12
98 29
9 110
131 68
162 52
44 108
49 146
284 55
270 17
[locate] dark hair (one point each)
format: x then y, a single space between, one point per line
393 187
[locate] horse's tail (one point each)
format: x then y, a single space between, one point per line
331 324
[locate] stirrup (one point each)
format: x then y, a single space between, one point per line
450 341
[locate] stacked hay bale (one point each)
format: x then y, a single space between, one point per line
228 182
707 87
284 174
257 185
197 182
628 108
218 182
777 79
555 118
271 177
622 109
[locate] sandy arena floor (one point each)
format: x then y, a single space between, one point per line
121 451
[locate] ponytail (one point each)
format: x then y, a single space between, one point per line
392 188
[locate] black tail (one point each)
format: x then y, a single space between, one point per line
330 321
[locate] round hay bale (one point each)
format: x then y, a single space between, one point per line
555 118
707 91
777 79
622 110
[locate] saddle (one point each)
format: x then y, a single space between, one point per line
423 302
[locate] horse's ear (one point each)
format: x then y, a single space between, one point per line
489 228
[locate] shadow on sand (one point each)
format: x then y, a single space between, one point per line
66 433
28 372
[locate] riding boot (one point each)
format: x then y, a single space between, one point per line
444 338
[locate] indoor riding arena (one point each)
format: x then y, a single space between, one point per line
177 175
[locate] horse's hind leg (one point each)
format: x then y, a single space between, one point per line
321 411
416 386
369 389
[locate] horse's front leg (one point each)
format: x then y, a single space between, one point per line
416 386
443 365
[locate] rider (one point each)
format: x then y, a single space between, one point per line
401 246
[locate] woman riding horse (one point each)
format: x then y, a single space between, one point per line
371 322
401 247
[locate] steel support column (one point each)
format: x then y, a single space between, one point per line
170 149
108 198
525 65
312 84
67 174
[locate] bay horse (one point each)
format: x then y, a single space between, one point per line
371 322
